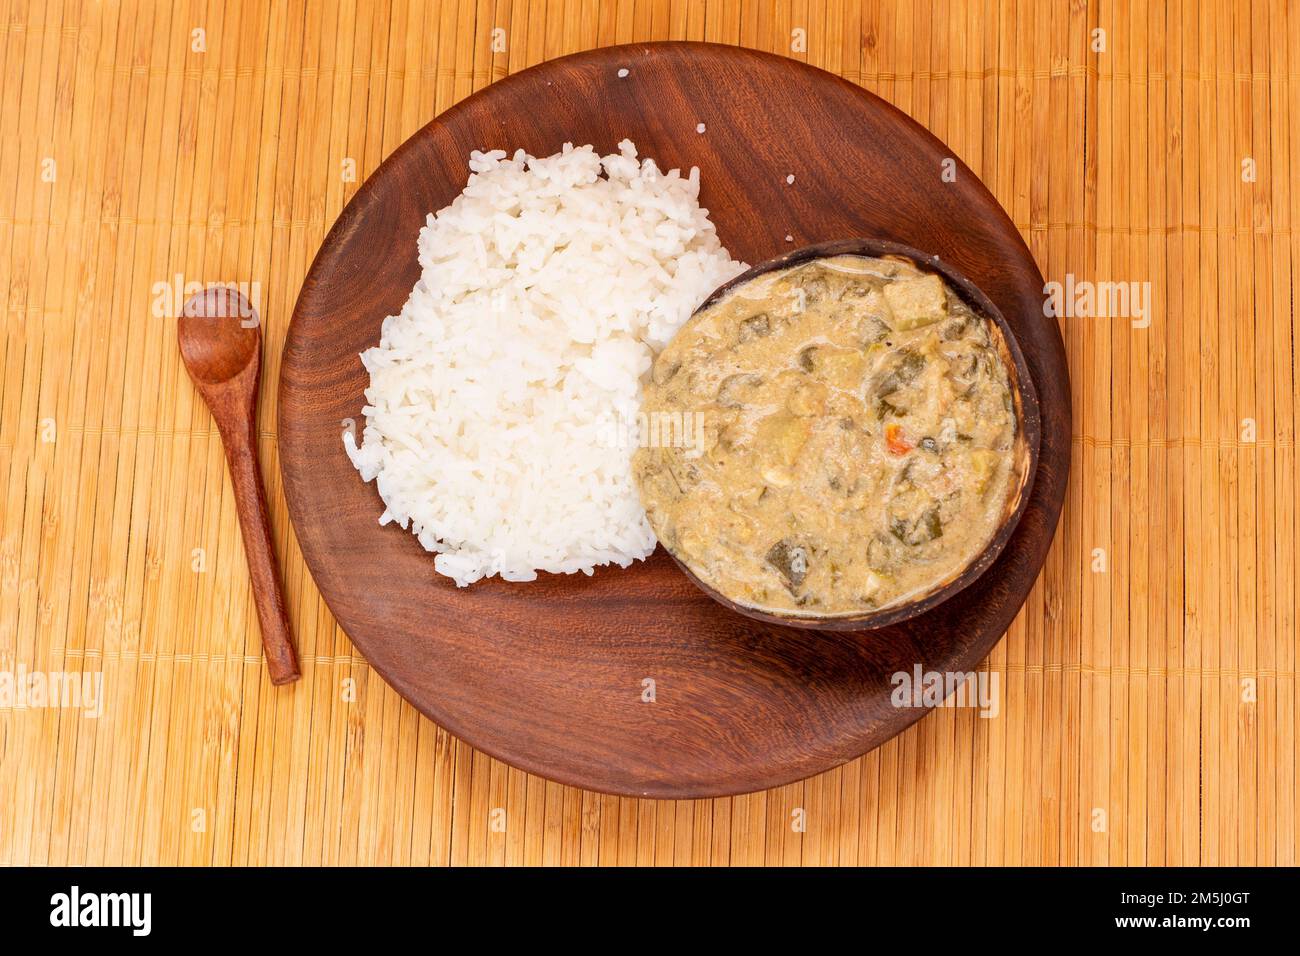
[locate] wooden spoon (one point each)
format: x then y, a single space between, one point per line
221 342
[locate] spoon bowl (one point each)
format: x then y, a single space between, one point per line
219 335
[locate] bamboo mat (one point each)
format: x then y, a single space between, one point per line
1148 711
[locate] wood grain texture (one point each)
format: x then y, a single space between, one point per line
1148 709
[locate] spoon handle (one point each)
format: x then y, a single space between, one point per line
250 503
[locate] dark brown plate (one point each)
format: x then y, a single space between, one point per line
1024 459
550 676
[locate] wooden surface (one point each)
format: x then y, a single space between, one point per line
550 676
1148 709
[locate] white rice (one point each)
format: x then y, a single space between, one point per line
547 287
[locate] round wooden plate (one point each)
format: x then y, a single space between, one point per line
550 676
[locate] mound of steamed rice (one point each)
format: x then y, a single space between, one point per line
547 287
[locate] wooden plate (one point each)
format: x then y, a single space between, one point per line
550 676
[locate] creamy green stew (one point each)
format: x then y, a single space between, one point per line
854 446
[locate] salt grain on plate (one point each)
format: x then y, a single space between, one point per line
622 73
700 128
789 180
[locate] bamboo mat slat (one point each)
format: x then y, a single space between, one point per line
1148 706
